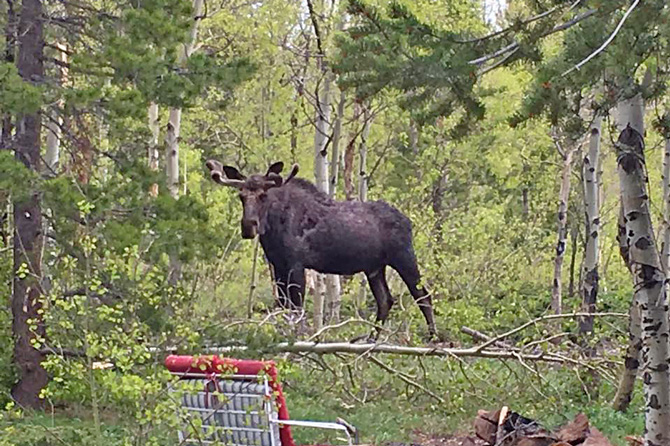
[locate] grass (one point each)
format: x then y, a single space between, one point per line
383 407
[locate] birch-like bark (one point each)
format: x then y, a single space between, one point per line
649 280
630 112
363 157
55 121
624 393
152 152
363 191
665 174
333 285
592 211
327 287
172 151
322 134
174 120
321 143
413 137
173 131
574 234
563 196
336 154
349 154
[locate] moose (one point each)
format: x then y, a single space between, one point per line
300 227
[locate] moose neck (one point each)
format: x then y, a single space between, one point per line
285 207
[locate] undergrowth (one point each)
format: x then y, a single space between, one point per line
383 407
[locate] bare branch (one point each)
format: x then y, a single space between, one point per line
406 379
515 45
542 319
315 24
607 42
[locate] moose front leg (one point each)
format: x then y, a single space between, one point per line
280 277
296 287
290 286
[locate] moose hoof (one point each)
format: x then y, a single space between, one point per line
436 338
364 339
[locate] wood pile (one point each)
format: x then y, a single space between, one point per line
506 428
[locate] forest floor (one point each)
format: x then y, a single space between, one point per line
384 408
382 423
456 439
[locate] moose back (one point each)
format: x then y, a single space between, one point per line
300 227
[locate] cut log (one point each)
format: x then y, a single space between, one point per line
633 440
533 440
596 438
575 431
486 426
507 428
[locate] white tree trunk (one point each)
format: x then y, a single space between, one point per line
321 142
174 120
630 112
172 151
152 154
665 245
336 153
322 134
363 191
55 121
563 196
413 137
349 154
649 279
624 392
363 160
333 287
592 207
173 132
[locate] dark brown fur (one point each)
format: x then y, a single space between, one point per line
300 227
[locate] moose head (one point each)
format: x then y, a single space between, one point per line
253 191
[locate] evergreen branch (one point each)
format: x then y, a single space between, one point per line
499 63
504 31
511 47
607 42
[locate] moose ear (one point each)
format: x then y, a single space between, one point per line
275 168
293 173
273 180
232 173
214 165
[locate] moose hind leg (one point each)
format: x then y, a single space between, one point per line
406 267
380 289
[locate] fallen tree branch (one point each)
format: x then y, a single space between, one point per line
342 324
542 319
364 349
479 336
406 379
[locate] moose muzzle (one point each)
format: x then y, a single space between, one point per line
249 228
